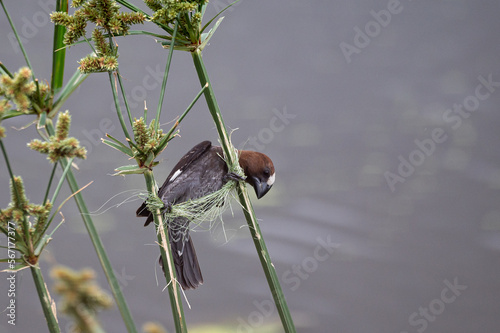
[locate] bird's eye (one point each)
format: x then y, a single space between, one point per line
266 171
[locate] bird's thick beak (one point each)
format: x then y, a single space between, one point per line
260 188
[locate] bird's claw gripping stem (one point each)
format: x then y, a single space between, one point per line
235 177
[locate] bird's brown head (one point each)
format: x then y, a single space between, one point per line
259 170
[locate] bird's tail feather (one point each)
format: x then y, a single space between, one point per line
185 262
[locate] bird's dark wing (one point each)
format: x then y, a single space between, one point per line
199 172
187 160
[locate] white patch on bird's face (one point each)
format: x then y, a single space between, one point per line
176 174
270 181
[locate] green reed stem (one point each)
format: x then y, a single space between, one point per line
45 300
117 106
46 196
59 51
260 245
96 241
168 261
165 77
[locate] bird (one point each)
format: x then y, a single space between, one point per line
199 172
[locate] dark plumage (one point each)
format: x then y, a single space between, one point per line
198 173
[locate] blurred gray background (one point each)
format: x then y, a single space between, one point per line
385 214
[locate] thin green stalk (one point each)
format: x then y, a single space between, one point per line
170 134
115 95
61 180
265 260
4 69
59 51
28 63
26 228
125 100
117 106
213 107
217 15
140 32
96 241
11 174
54 196
184 114
49 184
165 76
260 245
43 294
168 261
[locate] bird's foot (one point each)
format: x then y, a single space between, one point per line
235 177
167 208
